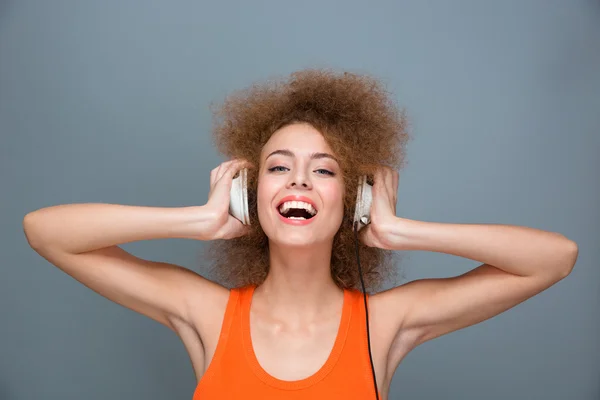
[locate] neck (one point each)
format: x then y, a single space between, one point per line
299 286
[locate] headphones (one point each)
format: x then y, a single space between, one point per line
238 208
238 200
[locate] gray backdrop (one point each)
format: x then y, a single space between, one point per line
108 101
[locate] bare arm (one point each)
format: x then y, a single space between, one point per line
79 228
518 263
82 240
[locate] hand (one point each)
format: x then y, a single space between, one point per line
222 225
383 209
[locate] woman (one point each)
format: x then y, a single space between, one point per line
288 321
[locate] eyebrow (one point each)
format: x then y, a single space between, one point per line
313 156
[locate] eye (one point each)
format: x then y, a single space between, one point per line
326 172
277 168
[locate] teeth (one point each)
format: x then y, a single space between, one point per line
297 204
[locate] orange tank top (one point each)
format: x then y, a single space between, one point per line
235 373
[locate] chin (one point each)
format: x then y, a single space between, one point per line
309 235
295 241
299 238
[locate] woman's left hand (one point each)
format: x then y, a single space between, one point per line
383 209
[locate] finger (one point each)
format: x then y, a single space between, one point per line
391 184
213 175
395 180
221 170
389 180
235 165
242 163
377 178
383 182
229 172
213 180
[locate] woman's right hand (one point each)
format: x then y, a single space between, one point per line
223 225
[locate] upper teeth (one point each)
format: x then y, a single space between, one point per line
283 208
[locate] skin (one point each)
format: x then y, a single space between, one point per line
295 313
299 281
288 316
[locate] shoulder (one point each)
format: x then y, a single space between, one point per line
207 303
388 348
387 312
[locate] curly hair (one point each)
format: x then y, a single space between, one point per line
363 127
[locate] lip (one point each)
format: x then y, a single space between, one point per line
296 197
297 222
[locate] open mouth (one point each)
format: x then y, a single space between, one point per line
299 210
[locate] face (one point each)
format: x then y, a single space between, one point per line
300 187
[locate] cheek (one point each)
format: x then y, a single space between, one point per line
334 196
265 193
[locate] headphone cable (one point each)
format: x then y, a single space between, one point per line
366 309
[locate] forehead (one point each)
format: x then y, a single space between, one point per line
301 139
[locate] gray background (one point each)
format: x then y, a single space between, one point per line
108 101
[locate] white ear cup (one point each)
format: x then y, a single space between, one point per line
364 199
238 201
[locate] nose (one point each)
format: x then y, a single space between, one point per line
299 180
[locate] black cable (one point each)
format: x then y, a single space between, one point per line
366 308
